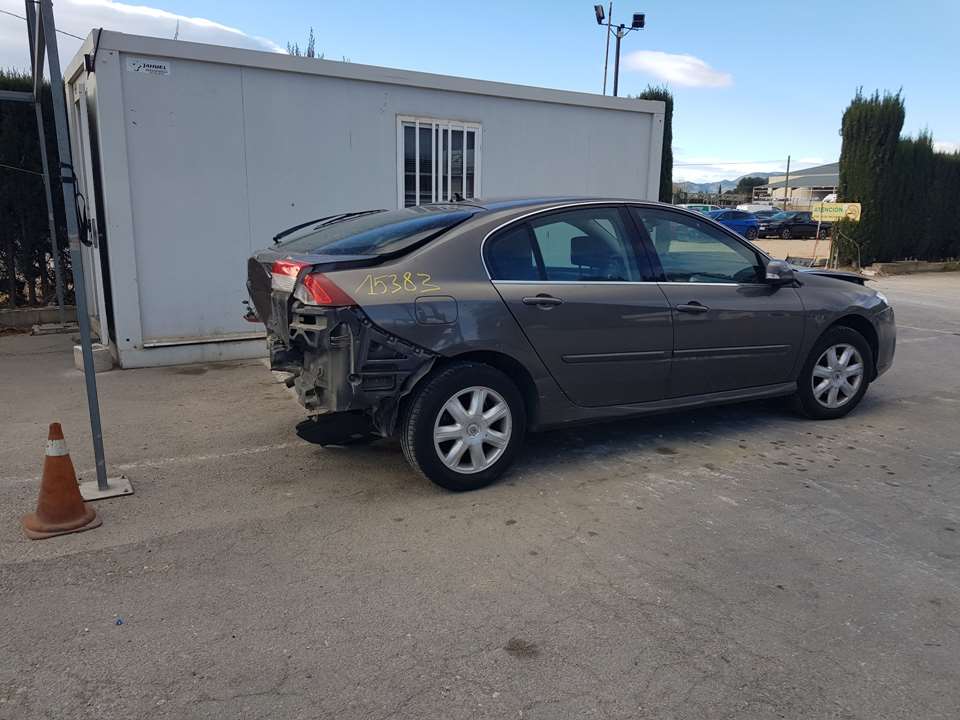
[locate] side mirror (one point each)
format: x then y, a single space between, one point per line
779 273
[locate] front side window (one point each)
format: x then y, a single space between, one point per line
439 160
691 250
579 245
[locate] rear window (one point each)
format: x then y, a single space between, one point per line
378 233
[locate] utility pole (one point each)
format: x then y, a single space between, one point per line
606 55
786 185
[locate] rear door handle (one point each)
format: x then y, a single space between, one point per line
693 307
543 301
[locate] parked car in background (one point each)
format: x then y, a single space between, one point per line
699 207
459 327
792 225
765 214
739 221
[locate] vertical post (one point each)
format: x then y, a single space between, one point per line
47 36
51 222
616 62
786 185
32 30
606 56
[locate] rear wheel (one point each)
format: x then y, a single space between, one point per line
751 233
464 426
823 233
836 374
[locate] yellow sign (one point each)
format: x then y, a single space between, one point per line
832 212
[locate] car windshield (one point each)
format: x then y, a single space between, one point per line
781 216
378 233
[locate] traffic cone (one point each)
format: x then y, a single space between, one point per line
60 509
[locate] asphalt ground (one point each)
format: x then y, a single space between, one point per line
736 562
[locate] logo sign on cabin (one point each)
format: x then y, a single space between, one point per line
833 212
148 66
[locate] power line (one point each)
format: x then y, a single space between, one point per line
21 17
20 169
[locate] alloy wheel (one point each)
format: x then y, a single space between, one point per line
837 375
472 429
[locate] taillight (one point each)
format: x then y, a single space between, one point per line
283 274
321 290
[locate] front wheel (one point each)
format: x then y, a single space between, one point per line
836 374
823 234
464 426
751 233
785 234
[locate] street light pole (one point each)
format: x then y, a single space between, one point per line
606 55
616 61
638 22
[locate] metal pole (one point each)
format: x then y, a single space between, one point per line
606 56
616 62
51 223
47 36
42 136
786 185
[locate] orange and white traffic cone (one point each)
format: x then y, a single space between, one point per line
60 509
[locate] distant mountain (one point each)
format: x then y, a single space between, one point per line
711 187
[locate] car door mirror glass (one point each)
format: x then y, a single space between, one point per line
779 273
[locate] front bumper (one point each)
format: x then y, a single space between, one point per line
886 325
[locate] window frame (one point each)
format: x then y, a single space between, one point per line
636 245
437 126
654 258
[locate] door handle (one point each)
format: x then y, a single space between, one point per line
543 301
693 307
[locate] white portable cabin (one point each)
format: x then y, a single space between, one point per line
190 157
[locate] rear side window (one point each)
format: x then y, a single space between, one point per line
378 233
579 245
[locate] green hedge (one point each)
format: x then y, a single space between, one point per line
910 194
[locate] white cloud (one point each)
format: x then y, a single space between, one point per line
945 146
678 69
81 16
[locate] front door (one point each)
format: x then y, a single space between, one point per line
584 296
731 330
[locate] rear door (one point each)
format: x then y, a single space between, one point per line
587 301
731 330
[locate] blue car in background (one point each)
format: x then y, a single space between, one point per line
739 221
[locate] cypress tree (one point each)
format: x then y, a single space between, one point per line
660 92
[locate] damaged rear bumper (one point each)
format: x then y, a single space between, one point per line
341 362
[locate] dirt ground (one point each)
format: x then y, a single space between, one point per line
735 562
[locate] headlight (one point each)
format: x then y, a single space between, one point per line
882 297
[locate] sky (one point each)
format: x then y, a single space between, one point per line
753 82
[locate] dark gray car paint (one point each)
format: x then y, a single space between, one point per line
752 344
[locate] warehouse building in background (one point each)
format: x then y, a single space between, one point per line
190 157
802 189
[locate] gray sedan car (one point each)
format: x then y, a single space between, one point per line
461 327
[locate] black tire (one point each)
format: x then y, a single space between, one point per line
424 406
785 234
823 234
805 402
751 234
